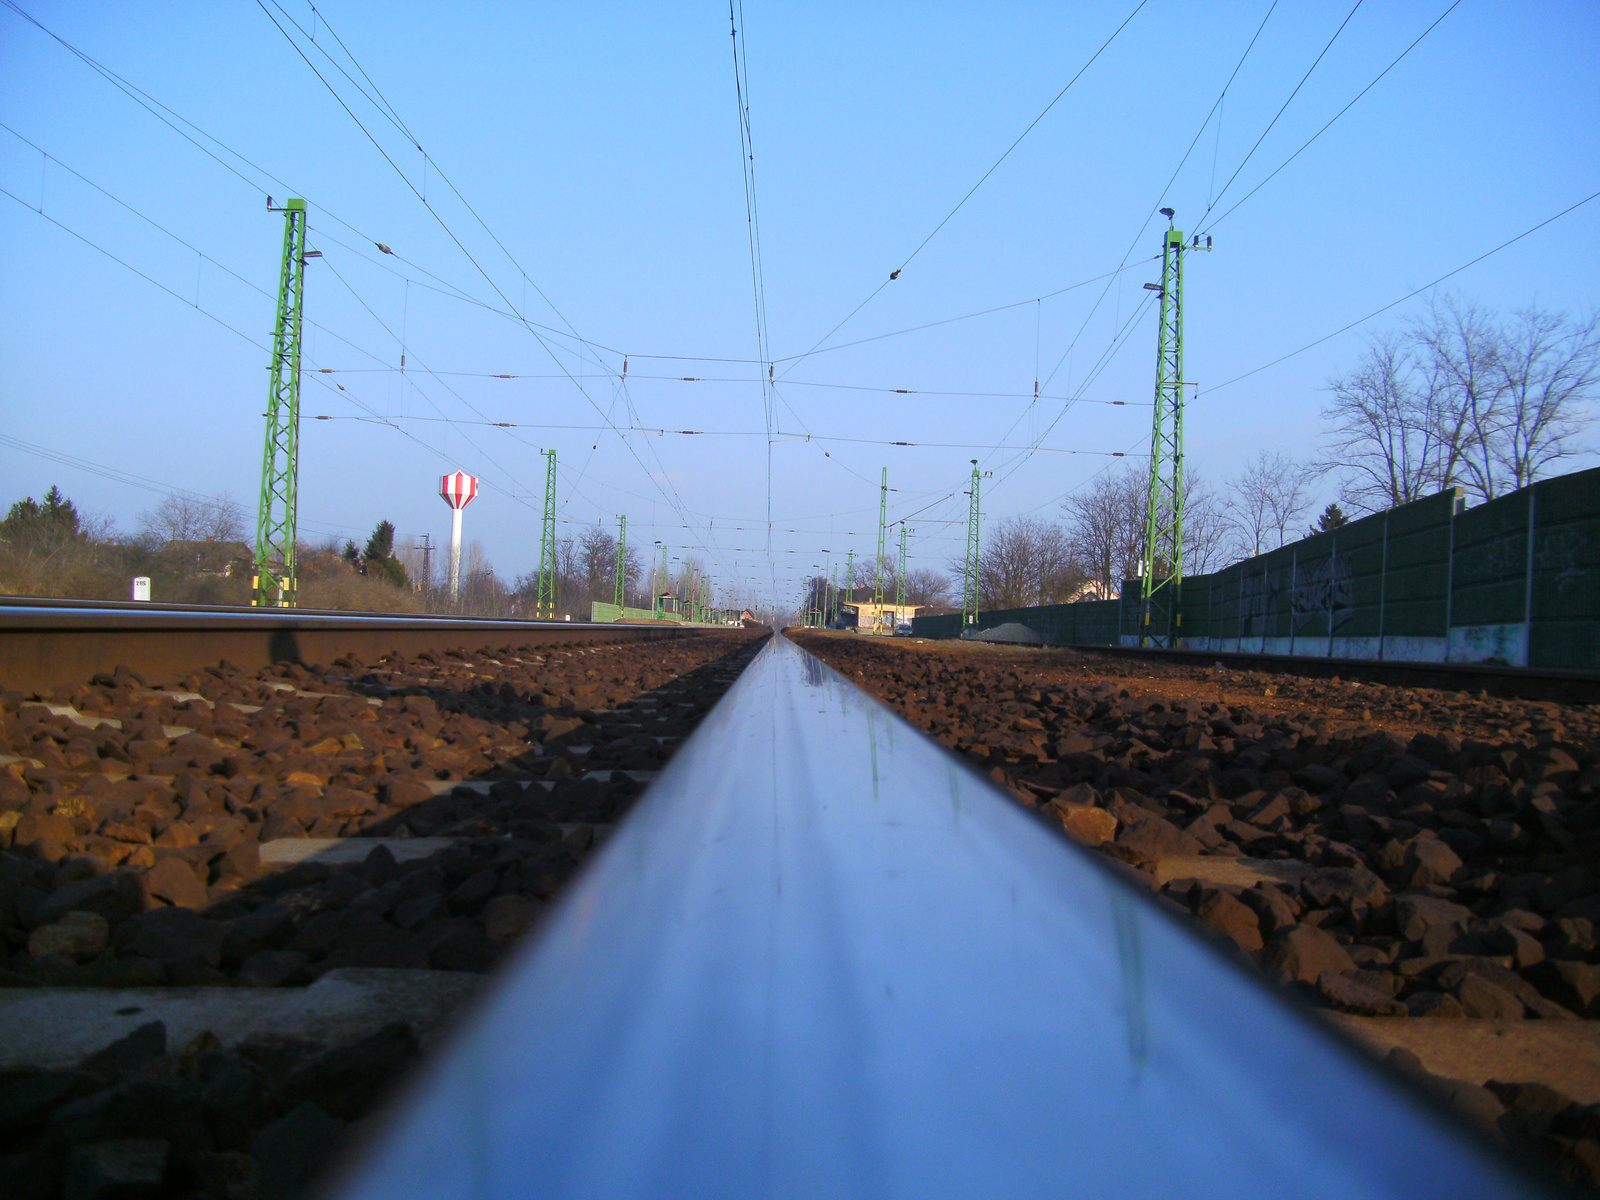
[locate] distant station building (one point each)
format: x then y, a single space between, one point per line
867 616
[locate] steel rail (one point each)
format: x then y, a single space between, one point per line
823 958
48 644
1522 683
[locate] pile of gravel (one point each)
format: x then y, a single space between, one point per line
1010 633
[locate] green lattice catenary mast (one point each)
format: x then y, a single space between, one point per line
275 584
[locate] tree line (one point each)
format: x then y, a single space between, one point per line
199 550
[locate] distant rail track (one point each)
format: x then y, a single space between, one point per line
54 643
1522 683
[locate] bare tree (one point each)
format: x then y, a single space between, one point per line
1269 496
925 588
1208 542
1548 368
1459 346
597 569
1025 561
1462 397
182 517
1106 523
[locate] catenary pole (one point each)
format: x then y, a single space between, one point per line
275 582
1161 565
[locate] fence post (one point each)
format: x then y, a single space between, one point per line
1333 574
1383 582
1450 577
1527 600
1294 590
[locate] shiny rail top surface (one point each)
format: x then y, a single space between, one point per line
822 958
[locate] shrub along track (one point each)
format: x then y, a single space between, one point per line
1382 851
134 819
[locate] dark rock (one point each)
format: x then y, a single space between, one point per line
116 897
167 1109
1481 1107
1572 937
116 1170
173 935
1480 998
1434 1004
1319 779
1444 941
268 926
1274 908
272 968
1301 953
1242 832
379 866
345 1081
369 941
1350 887
1573 985
1385 983
293 1149
506 918
127 1054
1407 770
1520 946
1533 1106
31 1175
28 1094
174 881
227 1173
1428 861
416 911
232 1098
1230 917
1415 914
1152 838
475 890
1351 995
461 946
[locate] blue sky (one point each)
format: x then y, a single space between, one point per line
600 146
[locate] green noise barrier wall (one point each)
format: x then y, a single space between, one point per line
603 612
1513 581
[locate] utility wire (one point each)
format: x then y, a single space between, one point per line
895 274
1396 62
1279 113
315 375
747 162
674 499
1409 295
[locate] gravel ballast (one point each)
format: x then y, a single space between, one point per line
133 819
1383 852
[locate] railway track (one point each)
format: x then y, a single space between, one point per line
1521 683
51 643
1399 855
821 956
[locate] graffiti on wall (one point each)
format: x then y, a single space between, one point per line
1317 595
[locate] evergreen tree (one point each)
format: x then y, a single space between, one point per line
45 527
1332 517
379 556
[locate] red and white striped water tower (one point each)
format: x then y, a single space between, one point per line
458 489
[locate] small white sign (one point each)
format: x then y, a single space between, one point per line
141 587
